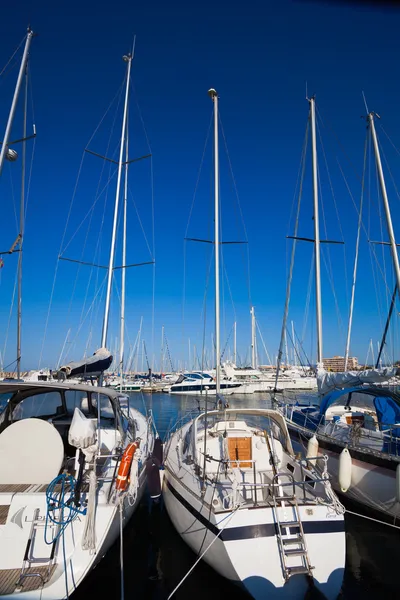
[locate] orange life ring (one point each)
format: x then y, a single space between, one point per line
125 467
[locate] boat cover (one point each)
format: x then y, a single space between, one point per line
329 381
94 365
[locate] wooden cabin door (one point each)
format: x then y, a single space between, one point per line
240 451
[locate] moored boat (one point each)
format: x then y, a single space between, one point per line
62 487
239 498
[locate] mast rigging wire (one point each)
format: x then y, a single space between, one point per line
239 208
67 223
12 56
353 287
187 231
299 185
319 117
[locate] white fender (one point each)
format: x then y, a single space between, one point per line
398 483
312 447
345 466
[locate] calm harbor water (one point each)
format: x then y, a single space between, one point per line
156 558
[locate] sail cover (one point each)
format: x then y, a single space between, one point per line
94 365
330 381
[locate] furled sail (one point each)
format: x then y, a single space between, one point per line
94 365
328 381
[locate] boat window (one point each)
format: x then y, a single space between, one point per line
362 400
39 405
106 408
186 440
4 398
263 422
341 401
77 398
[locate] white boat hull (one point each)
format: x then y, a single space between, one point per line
79 562
247 550
372 485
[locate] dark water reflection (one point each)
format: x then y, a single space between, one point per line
156 558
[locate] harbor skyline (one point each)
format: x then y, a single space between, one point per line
260 63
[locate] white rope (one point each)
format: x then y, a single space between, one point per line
336 504
372 519
89 533
229 517
134 478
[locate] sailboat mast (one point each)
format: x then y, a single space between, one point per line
162 351
253 338
138 346
389 224
316 233
21 229
294 347
127 59
214 97
286 351
123 274
6 137
234 344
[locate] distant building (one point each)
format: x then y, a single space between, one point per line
336 363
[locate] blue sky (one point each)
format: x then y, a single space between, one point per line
259 56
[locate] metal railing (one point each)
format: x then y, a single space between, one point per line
300 487
383 435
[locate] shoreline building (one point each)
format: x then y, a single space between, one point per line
336 363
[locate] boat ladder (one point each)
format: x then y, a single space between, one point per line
289 529
46 563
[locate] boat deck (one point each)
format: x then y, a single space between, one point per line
34 579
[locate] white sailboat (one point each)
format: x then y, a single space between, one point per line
254 380
73 469
243 502
355 422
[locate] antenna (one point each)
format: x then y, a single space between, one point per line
365 103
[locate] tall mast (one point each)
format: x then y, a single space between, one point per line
316 233
234 343
6 137
286 351
253 338
162 351
21 228
127 59
389 224
294 347
138 346
123 274
214 97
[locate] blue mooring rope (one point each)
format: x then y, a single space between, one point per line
57 501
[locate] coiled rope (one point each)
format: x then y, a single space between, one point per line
58 501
